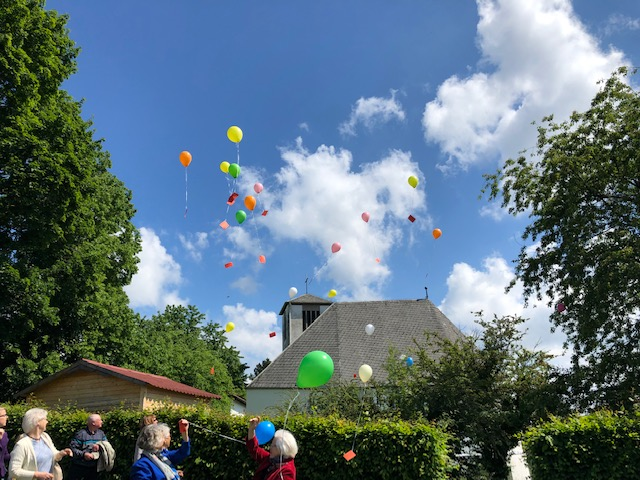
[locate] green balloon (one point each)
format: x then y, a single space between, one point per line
234 170
316 368
241 216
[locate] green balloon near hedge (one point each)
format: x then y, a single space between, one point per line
234 170
316 368
241 216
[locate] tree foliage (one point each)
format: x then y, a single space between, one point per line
260 367
67 244
176 344
581 189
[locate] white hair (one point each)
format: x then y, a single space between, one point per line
286 443
152 437
31 418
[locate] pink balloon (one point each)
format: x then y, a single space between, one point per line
365 216
335 247
258 187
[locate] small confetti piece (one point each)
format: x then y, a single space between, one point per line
377 260
228 265
224 225
262 259
213 371
272 334
232 199
264 214
412 218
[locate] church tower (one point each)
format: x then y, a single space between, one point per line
298 314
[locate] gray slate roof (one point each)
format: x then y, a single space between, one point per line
305 299
340 332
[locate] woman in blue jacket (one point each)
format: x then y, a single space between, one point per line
156 461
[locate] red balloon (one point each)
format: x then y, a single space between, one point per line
365 216
335 247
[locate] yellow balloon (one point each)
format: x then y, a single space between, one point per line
365 372
413 181
234 134
229 326
332 293
224 166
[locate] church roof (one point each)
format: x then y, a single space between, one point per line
340 332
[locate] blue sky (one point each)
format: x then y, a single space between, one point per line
339 103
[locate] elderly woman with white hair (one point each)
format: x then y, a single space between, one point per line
277 463
156 461
34 456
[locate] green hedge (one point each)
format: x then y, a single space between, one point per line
384 449
603 445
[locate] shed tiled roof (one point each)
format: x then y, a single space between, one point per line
305 299
134 376
340 332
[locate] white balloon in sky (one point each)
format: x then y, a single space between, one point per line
293 291
369 329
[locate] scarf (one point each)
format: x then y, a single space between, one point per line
163 464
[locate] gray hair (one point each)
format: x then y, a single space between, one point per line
31 418
152 437
286 443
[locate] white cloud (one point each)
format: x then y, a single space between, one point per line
542 62
158 276
194 244
304 126
471 290
618 22
371 112
318 199
246 284
251 333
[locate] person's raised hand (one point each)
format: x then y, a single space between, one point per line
253 423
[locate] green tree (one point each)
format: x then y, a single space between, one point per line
581 189
67 244
486 387
175 344
260 367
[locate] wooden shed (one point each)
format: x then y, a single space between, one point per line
96 386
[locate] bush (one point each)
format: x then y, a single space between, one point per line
604 444
384 449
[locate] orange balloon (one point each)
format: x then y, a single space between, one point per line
437 233
250 202
185 158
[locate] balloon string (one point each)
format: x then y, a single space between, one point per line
287 414
186 194
355 433
215 433
238 150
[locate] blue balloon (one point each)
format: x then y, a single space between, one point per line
409 361
264 432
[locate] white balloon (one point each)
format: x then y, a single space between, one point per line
369 329
365 373
293 291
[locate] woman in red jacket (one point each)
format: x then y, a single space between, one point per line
277 463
